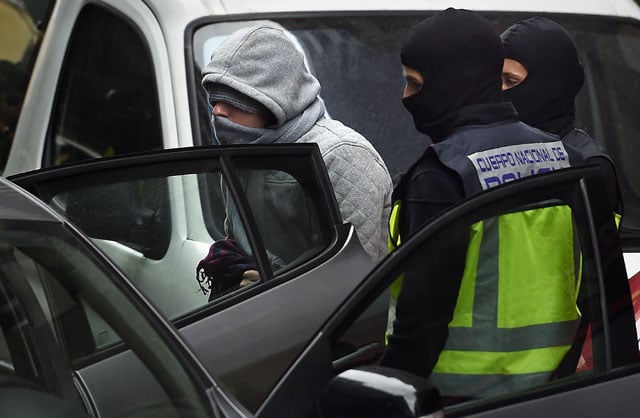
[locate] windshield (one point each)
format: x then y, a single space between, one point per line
356 59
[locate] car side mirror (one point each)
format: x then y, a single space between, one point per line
379 392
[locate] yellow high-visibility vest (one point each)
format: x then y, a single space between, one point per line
516 314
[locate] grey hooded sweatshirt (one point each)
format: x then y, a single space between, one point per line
263 63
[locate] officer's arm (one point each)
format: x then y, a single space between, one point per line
430 288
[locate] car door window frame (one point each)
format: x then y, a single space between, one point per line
229 159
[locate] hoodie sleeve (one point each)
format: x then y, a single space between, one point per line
363 188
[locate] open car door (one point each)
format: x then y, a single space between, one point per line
185 224
604 360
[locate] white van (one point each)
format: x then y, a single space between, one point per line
89 78
81 79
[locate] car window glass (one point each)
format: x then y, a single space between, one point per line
135 214
545 306
351 54
107 100
22 24
287 213
176 228
138 224
60 310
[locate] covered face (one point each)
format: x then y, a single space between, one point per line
554 75
261 68
460 58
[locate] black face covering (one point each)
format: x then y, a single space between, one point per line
460 57
545 99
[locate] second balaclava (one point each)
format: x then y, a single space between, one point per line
460 57
545 99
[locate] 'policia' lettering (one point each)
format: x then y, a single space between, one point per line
501 165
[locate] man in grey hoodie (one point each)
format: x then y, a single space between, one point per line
262 93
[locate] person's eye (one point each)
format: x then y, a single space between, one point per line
510 82
413 86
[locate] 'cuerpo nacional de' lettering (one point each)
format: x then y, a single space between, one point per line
501 165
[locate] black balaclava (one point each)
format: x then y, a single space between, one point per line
545 99
460 57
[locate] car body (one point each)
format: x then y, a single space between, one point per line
97 78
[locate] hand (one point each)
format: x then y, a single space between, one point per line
227 267
249 277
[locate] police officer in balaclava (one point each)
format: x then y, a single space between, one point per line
542 74
455 71
541 77
452 63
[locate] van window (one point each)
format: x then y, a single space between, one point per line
107 101
357 60
21 28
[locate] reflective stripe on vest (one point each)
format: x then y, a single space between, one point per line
394 226
393 243
521 268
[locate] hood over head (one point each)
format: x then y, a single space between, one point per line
221 93
545 99
262 63
460 57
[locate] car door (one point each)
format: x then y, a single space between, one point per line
276 203
605 360
56 289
